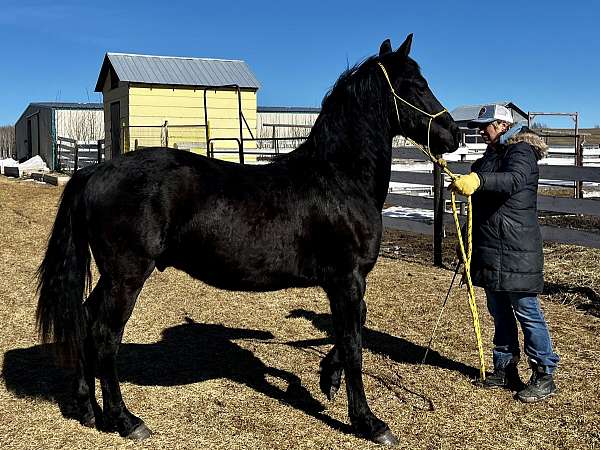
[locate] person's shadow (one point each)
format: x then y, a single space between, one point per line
187 353
396 348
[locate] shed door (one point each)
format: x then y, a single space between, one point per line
115 129
33 135
29 143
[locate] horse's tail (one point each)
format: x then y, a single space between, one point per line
64 272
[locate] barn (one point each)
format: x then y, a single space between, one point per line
37 129
194 104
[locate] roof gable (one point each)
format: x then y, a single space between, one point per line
177 71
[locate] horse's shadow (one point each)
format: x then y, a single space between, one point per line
187 353
195 352
396 348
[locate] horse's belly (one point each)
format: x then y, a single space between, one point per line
241 271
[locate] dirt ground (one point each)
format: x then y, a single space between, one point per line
213 369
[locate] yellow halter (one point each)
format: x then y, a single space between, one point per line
396 96
465 253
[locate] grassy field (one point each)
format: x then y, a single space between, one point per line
228 370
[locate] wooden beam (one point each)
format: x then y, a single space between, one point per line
413 226
411 178
409 201
569 205
408 153
12 171
570 173
574 237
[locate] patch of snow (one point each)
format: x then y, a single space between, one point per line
403 212
34 164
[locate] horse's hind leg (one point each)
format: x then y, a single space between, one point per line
119 295
332 366
88 409
345 297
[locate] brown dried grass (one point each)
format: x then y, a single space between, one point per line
211 369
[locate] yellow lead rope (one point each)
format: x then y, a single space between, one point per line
465 254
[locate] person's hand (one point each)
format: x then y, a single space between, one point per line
465 184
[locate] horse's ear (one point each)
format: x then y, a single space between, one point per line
404 49
386 47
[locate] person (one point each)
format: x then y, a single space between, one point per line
507 259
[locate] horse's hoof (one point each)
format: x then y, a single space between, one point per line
140 433
386 438
89 422
330 384
333 390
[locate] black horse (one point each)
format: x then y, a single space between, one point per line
310 218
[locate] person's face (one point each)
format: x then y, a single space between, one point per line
490 133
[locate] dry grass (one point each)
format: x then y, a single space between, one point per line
214 369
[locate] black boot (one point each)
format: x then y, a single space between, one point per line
541 385
504 378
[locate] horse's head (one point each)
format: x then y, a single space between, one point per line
416 104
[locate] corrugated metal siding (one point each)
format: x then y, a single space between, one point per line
182 71
284 118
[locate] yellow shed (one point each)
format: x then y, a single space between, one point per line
207 106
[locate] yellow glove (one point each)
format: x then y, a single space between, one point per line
465 184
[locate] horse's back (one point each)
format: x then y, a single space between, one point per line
188 211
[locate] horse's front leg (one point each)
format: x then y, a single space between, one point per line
345 298
332 367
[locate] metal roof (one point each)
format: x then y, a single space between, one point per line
470 112
180 71
287 109
60 105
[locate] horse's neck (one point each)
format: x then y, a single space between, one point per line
361 150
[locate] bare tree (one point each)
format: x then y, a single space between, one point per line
7 141
81 125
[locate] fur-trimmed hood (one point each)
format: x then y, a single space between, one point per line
524 134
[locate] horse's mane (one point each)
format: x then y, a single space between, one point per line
364 78
345 101
353 83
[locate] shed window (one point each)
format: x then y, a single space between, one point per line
114 79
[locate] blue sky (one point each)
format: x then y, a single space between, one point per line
542 55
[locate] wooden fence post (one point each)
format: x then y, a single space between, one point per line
58 149
99 147
76 161
438 215
578 163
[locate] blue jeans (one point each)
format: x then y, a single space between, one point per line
508 307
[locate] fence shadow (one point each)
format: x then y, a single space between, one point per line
187 353
396 348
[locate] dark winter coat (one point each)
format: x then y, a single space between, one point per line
507 242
